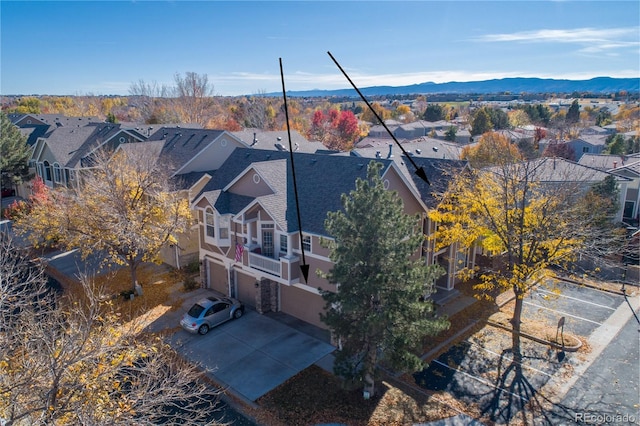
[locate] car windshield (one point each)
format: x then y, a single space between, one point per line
195 311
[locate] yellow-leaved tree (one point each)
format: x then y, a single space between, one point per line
123 207
528 215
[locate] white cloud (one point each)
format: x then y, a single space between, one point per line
594 40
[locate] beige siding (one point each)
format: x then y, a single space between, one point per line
302 304
410 203
246 185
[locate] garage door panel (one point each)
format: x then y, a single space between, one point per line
218 278
302 304
246 289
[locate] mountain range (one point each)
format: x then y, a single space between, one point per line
603 85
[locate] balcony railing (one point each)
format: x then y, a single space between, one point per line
265 264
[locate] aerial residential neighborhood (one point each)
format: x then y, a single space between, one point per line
311 213
255 223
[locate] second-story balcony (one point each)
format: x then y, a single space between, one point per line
265 264
285 267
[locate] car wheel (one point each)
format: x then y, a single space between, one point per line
204 329
237 314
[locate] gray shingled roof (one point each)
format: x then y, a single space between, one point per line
181 144
550 170
57 120
277 140
32 133
70 145
65 142
321 180
604 161
439 172
421 147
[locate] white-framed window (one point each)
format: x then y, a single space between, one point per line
267 239
306 243
40 170
223 227
47 171
284 243
209 223
57 173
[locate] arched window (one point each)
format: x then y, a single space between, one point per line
47 171
209 223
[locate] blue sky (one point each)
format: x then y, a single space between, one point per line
95 47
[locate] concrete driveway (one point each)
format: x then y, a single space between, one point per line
251 355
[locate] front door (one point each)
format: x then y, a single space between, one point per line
267 242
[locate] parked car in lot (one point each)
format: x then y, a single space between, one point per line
209 312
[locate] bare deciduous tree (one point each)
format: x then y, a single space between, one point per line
193 97
70 361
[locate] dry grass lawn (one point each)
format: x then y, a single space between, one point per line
315 396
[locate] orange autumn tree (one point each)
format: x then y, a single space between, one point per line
123 207
492 148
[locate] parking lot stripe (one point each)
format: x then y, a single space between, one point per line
563 313
511 360
478 379
579 300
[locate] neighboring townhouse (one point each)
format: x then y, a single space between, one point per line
191 155
441 161
277 140
59 155
587 144
627 166
57 120
420 147
556 170
631 170
463 135
249 232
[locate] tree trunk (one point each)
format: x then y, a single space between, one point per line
133 268
516 322
369 367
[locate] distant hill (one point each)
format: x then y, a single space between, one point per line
513 85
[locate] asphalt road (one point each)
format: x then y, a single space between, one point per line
609 389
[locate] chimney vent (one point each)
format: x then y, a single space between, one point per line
390 155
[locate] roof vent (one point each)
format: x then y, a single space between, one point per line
390 154
279 138
418 151
378 154
280 147
435 148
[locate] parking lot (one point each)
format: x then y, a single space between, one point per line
481 371
583 308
